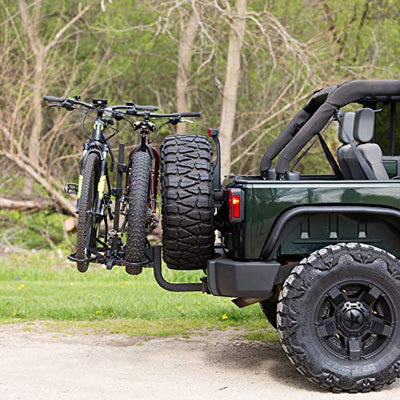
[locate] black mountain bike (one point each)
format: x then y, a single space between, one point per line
95 242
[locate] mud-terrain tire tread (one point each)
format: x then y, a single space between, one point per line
187 201
90 177
288 320
138 199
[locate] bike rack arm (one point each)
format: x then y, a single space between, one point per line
173 287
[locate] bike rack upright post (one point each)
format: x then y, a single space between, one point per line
118 193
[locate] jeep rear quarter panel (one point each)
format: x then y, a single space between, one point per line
266 201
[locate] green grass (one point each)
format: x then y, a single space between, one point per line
42 285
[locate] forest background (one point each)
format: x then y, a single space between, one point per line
247 65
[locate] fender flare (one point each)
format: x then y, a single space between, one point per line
286 219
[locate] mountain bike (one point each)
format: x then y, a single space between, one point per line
95 242
141 191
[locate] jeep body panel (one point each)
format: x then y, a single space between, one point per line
266 201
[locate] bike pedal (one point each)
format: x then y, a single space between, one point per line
71 188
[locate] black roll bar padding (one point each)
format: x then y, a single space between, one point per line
312 105
283 139
345 93
172 287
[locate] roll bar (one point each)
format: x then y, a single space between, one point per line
312 105
343 94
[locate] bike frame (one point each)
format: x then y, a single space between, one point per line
97 144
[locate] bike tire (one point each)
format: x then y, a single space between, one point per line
138 198
85 234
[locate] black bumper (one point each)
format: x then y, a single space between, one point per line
227 277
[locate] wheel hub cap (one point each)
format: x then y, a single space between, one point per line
353 319
353 316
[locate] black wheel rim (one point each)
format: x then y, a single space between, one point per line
355 320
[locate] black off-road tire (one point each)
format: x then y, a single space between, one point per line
360 282
139 192
86 237
187 201
269 310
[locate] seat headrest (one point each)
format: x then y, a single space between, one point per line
347 125
364 125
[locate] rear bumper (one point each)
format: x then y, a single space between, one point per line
227 277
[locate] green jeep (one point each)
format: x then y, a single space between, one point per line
318 252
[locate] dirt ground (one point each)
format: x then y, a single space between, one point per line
218 365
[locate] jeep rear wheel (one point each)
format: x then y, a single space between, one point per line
339 317
187 201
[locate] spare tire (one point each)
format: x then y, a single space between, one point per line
187 201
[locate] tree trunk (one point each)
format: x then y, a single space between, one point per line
185 53
31 23
231 85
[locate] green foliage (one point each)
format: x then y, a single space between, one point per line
33 230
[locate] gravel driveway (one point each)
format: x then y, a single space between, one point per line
216 365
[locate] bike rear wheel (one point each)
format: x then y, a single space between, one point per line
86 231
139 209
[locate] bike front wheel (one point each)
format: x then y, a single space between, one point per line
86 231
139 209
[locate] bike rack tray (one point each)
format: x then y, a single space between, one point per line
153 254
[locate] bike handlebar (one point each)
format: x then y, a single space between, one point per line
69 102
190 114
128 106
146 108
132 107
170 115
52 98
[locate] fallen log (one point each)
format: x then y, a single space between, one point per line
8 204
69 224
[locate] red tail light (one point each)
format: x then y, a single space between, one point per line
235 205
213 132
